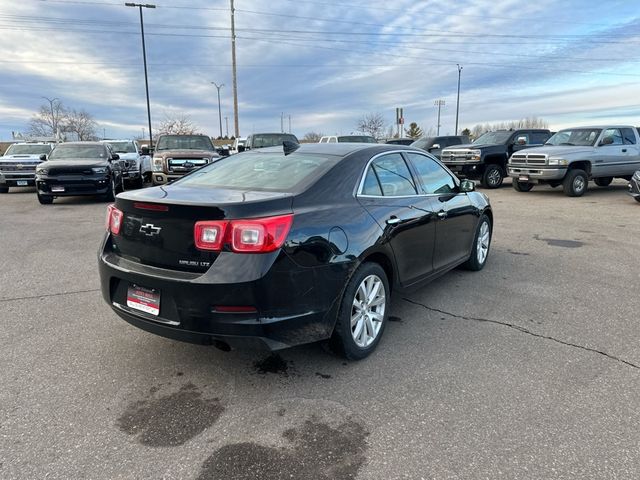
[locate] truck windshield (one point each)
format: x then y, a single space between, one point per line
123 147
262 140
184 142
493 138
28 150
74 152
585 137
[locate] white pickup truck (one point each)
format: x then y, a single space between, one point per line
574 156
136 161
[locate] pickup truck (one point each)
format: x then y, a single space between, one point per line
18 165
435 145
177 155
486 158
574 156
135 160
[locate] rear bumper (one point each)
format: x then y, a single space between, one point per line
634 187
73 186
293 305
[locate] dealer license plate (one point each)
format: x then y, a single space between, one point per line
523 178
22 183
146 300
57 188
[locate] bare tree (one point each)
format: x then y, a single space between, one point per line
178 125
528 122
372 123
81 123
48 120
312 137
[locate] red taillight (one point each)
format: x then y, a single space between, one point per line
210 235
114 219
256 235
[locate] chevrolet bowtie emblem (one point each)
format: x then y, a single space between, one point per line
150 229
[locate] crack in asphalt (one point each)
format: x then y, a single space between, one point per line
524 330
43 295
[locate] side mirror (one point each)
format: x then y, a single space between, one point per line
606 141
115 156
43 157
435 146
144 150
241 148
521 141
467 186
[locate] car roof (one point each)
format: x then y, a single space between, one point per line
341 149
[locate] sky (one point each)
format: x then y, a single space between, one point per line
323 63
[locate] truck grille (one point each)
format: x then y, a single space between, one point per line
17 167
529 159
184 165
455 156
70 171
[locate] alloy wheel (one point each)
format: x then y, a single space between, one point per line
578 184
482 245
367 311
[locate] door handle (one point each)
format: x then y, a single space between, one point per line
442 214
393 220
624 150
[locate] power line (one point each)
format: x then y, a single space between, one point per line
119 4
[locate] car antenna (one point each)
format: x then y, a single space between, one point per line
290 147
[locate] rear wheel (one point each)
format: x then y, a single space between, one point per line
575 183
363 312
492 176
521 186
45 199
481 245
603 181
4 189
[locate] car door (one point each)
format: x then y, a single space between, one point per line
456 214
610 155
388 191
631 151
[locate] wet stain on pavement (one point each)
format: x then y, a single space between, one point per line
556 242
274 363
323 375
316 451
170 420
395 319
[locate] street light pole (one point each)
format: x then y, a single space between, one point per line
439 104
219 111
458 100
234 72
54 122
144 58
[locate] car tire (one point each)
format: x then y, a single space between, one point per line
110 195
493 176
481 245
139 182
575 183
522 186
361 320
44 199
603 181
637 199
4 189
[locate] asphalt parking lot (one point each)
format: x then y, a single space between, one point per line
527 369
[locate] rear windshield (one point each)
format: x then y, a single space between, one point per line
493 138
356 139
271 139
184 142
72 152
123 147
270 171
28 150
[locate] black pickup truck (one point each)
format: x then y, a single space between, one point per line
486 158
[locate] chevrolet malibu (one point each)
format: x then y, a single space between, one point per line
285 246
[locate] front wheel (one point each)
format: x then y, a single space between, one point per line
481 245
492 176
45 199
4 189
363 312
522 186
110 194
575 183
603 181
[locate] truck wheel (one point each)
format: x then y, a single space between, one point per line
575 183
603 181
4 189
139 182
492 176
45 199
521 186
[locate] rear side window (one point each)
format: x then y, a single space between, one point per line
614 134
434 177
628 136
392 176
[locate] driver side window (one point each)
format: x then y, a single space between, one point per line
435 178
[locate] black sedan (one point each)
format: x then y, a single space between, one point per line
281 248
79 168
634 186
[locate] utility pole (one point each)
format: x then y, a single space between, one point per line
54 118
282 122
226 124
144 58
289 123
219 111
235 75
439 104
458 100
